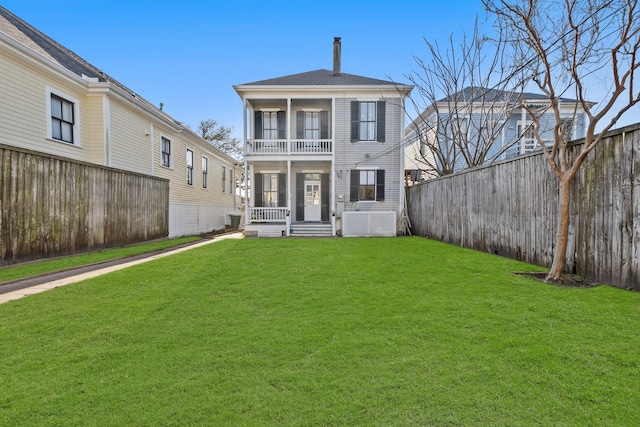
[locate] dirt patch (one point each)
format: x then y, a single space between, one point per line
567 281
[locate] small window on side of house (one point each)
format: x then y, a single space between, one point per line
62 117
224 179
165 149
189 167
205 171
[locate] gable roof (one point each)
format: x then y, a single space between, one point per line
43 45
321 77
477 93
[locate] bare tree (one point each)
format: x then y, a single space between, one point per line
462 99
220 137
562 45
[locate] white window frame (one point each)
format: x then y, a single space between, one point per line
190 168
270 185
76 116
205 172
372 172
366 134
170 165
269 119
224 179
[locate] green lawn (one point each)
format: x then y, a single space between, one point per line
306 332
29 269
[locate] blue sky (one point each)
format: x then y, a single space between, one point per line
188 54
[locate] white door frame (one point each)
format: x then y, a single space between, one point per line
312 202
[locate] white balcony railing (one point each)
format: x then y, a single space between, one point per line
283 146
306 146
259 215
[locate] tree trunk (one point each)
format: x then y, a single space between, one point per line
562 235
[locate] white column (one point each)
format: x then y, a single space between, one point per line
523 121
333 206
288 223
246 163
288 125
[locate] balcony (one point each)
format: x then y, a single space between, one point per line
289 147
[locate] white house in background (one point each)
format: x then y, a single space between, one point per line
474 108
324 153
56 103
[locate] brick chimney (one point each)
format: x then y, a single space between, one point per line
337 56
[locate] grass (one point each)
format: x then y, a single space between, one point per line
344 332
35 268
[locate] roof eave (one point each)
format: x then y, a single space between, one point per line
240 89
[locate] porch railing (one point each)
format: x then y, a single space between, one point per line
305 146
257 215
283 146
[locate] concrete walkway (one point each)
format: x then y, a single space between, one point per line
33 285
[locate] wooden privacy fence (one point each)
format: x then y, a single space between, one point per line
53 206
510 209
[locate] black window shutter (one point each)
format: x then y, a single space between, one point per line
299 197
355 184
282 125
380 119
324 125
300 125
282 190
324 197
258 125
257 193
355 121
380 185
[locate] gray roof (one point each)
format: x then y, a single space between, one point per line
321 78
475 93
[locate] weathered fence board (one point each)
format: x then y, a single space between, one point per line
510 209
53 206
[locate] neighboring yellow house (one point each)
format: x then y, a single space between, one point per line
54 102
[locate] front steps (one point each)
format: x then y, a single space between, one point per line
310 230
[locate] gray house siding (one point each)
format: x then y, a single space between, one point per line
369 155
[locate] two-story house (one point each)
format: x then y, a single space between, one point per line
56 103
480 125
323 153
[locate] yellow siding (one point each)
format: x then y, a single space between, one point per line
95 144
23 117
113 131
179 191
130 142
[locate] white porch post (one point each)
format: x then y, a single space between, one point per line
523 120
288 125
246 164
334 208
402 165
288 217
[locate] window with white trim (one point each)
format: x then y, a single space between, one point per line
270 125
224 179
311 125
205 171
62 117
367 185
189 167
368 121
165 150
270 190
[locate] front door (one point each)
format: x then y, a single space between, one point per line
312 201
